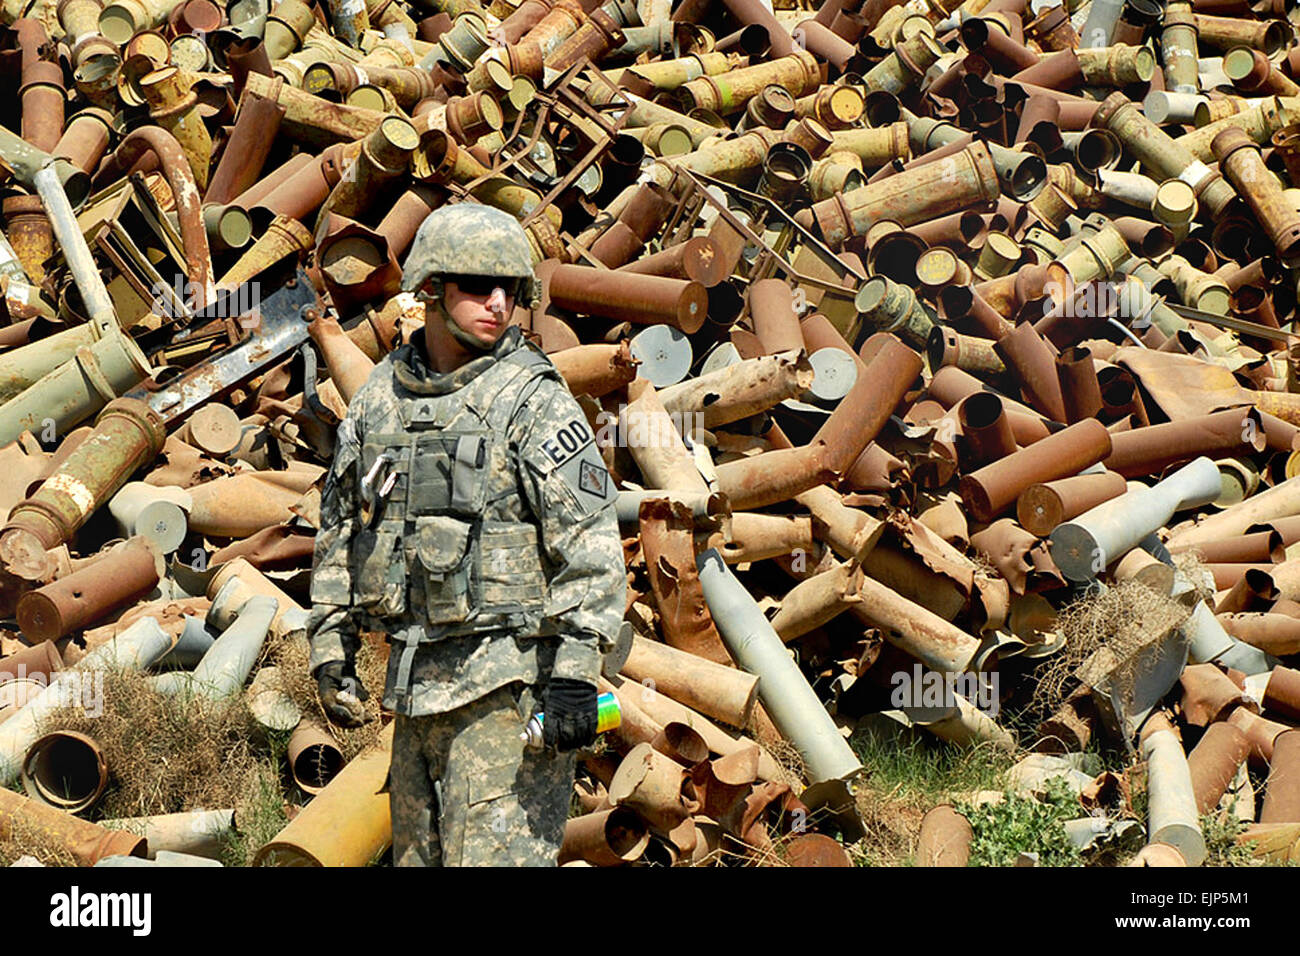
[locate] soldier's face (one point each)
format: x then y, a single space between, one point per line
483 314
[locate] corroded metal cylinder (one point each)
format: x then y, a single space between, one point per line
993 488
924 192
1041 507
628 297
347 823
127 434
1240 160
89 594
1166 157
87 842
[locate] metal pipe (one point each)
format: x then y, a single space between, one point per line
347 823
1084 547
1172 817
189 204
783 690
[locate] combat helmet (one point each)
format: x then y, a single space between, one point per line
470 239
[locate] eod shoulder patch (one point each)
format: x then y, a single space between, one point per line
566 441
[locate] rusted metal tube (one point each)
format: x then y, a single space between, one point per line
738 391
69 394
247 147
1143 451
624 297
196 832
173 105
774 475
1282 797
347 823
41 94
698 259
89 594
1166 157
1254 592
1213 763
817 599
381 158
312 120
1030 359
771 306
189 209
593 39
1282 693
993 488
666 537
30 233
655 442
1178 49
605 838
863 412
935 642
135 647
1223 33
727 93
755 12
1252 72
985 430
655 786
127 435
1240 160
1275 634
945 838
1041 507
314 757
65 769
717 691
595 370
559 23
1260 122
284 237
924 192
755 537
1080 392
87 842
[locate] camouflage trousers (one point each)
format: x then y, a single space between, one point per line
465 791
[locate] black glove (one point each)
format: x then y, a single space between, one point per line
570 709
341 693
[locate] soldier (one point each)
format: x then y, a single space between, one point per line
469 516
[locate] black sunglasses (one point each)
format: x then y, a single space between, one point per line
483 285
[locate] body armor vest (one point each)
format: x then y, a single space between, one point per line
447 541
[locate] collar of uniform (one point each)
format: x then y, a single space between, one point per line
412 370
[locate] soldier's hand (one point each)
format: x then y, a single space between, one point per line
571 714
341 693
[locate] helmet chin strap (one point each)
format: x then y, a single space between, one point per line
470 342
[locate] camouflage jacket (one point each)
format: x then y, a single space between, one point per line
494 556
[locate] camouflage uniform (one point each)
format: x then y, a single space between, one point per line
493 564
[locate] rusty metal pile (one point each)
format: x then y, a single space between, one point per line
901 328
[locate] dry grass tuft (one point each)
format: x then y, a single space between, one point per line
1114 625
168 753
